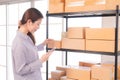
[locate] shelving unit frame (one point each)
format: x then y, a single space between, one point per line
104 13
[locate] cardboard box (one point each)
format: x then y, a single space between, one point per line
58 44
57 74
76 32
73 5
112 65
94 2
118 72
111 4
102 72
50 79
87 64
100 33
104 66
118 2
63 78
101 45
56 1
56 8
102 4
51 44
79 73
77 44
62 68
72 1
55 43
70 79
84 8
94 79
89 5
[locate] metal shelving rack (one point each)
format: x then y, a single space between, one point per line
104 13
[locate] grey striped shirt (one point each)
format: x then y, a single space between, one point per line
26 63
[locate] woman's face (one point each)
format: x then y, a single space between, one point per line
34 26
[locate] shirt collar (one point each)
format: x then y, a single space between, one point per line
25 36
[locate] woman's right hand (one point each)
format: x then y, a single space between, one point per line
47 41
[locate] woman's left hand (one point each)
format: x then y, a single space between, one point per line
45 57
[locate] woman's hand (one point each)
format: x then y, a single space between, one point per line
47 41
45 57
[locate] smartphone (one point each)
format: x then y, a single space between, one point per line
53 49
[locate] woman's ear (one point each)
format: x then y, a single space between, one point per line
29 21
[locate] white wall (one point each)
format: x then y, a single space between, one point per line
109 22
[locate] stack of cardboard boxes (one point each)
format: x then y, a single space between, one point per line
75 39
85 71
101 39
89 39
61 6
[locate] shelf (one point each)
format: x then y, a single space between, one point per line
84 14
85 51
102 13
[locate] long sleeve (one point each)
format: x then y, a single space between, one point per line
40 47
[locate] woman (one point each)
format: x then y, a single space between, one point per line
26 63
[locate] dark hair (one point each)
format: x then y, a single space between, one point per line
34 15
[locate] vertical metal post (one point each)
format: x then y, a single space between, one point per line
116 41
47 30
66 57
